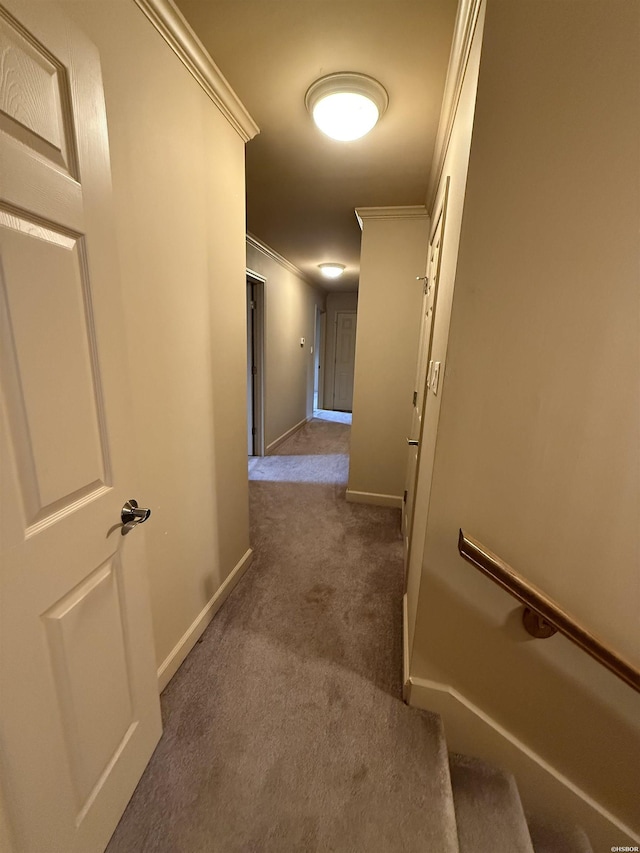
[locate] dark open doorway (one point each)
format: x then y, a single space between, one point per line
255 364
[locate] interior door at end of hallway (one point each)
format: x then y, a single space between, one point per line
80 707
429 302
344 364
251 370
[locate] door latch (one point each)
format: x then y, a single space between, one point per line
132 515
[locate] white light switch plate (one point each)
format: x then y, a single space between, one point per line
435 378
429 374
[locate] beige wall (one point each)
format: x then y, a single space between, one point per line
393 254
180 230
289 316
335 302
538 440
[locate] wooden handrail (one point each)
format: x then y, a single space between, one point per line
536 600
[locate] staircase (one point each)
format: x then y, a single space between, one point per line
285 731
490 819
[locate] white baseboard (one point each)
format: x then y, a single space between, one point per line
285 435
543 789
172 662
373 498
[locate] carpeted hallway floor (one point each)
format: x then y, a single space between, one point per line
284 728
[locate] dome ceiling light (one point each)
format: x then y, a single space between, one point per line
331 270
346 105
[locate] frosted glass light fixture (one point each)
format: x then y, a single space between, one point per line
331 270
347 105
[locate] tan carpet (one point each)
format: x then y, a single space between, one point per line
284 728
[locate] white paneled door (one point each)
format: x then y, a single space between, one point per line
80 711
344 361
424 378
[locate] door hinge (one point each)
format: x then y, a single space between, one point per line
415 397
253 305
254 370
253 430
404 497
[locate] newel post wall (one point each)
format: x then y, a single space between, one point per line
537 445
393 255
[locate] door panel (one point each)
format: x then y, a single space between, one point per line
429 303
34 100
51 362
80 713
96 707
344 361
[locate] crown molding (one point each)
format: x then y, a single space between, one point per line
174 29
465 27
271 253
414 211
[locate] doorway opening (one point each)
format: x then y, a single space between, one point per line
255 364
426 388
318 358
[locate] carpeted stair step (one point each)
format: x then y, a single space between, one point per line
489 814
547 838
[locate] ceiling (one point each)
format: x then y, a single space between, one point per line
302 187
